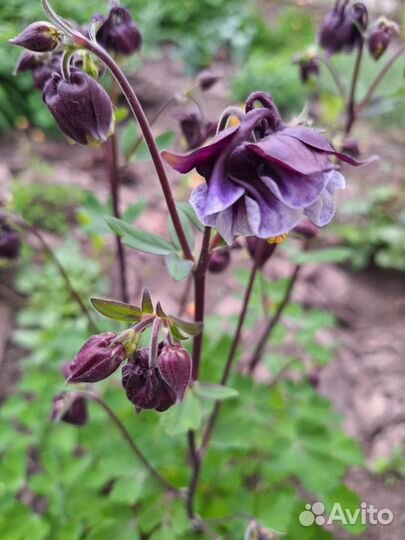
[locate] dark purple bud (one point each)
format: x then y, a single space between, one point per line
175 367
306 229
219 260
194 131
81 107
38 37
144 386
118 33
10 242
28 61
343 27
308 68
206 79
70 408
41 75
380 37
266 249
350 146
99 357
314 378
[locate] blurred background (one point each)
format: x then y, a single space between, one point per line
351 345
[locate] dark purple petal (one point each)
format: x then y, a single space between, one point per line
291 154
270 217
185 163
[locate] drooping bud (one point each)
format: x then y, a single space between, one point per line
175 364
28 61
206 79
380 36
144 385
343 27
70 408
10 242
308 66
39 36
99 357
194 131
81 107
219 260
350 146
118 33
266 249
306 229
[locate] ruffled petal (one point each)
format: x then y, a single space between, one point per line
293 189
322 211
312 138
291 153
185 163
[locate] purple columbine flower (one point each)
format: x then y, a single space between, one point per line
194 130
99 357
263 176
343 27
70 408
118 33
380 36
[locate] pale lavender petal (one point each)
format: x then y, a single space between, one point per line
323 210
270 217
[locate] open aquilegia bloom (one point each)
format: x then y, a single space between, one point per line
262 177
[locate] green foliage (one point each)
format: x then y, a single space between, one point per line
373 228
50 207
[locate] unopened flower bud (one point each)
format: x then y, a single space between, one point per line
118 33
306 229
343 27
81 107
350 146
314 377
70 408
38 37
266 249
194 131
99 357
380 37
174 364
10 242
308 66
206 79
219 260
144 385
28 61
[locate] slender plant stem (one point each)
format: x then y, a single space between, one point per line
232 352
375 84
272 323
335 76
351 103
199 287
111 158
195 473
127 436
140 116
73 293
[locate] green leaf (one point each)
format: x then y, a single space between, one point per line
119 311
183 416
147 304
186 209
128 137
188 231
178 267
139 239
217 392
134 211
329 255
163 141
128 489
120 114
190 328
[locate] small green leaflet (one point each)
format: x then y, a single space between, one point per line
146 303
217 392
118 311
183 416
327 255
139 239
178 267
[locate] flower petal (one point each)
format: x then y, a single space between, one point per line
314 139
185 163
293 189
323 210
291 154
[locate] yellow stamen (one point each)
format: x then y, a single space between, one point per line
277 239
